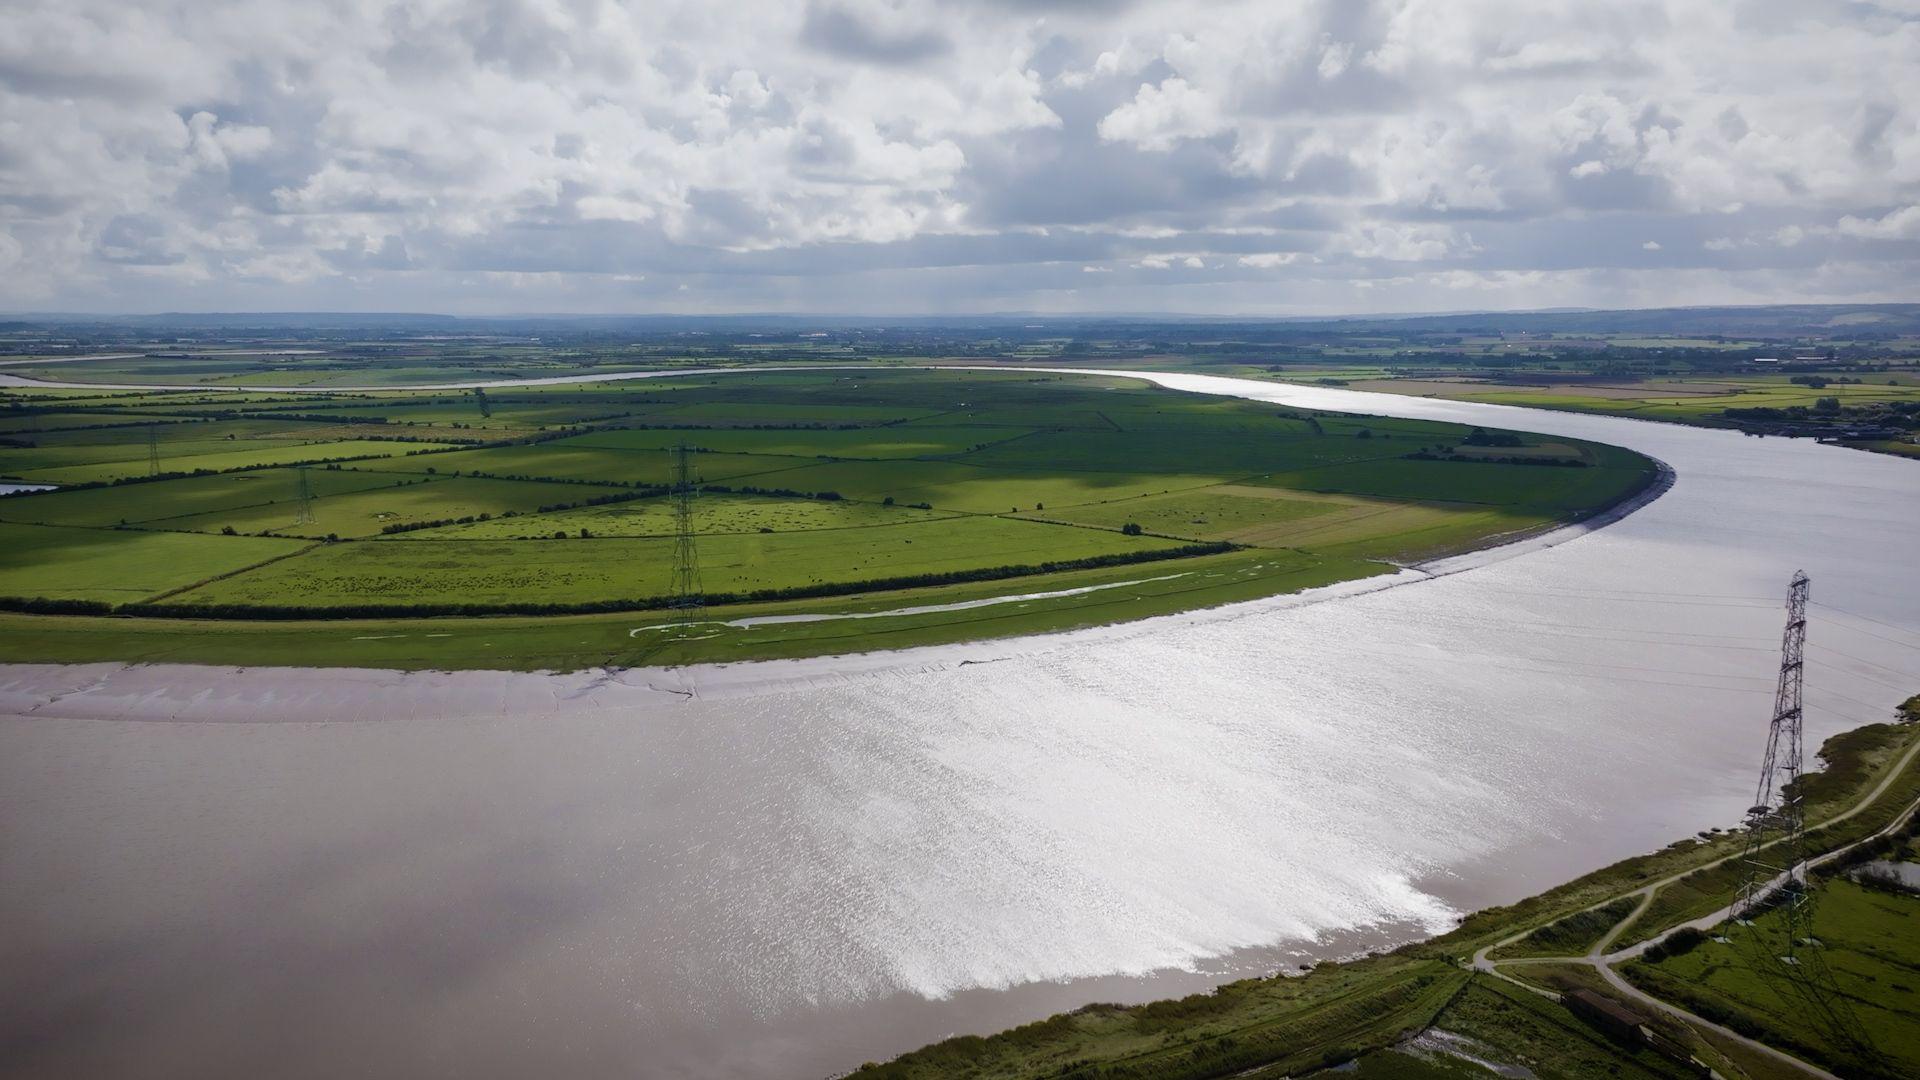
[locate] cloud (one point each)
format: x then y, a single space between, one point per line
879 34
1160 116
1406 243
1902 224
903 155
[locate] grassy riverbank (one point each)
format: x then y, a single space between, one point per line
537 527
1428 1010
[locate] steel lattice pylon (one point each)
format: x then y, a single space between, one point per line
686 592
153 449
1775 822
1773 906
306 497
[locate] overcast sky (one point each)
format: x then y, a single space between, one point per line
896 156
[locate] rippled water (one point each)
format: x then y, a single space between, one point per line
812 863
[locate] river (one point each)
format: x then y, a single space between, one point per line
807 864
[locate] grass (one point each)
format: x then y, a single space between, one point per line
574 642
714 514
367 511
584 570
825 481
1573 935
1869 944
119 565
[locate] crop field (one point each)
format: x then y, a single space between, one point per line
839 491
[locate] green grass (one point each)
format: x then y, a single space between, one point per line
367 511
712 514
119 565
591 570
981 490
1279 1026
1870 944
218 456
893 442
948 473
1572 935
574 642
143 502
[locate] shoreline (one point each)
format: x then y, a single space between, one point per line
1495 548
141 692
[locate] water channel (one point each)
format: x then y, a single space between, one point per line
802 865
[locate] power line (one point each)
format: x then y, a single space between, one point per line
687 598
1866 618
306 497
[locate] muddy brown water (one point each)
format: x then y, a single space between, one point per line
806 864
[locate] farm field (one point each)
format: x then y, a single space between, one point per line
1056 500
1764 403
116 565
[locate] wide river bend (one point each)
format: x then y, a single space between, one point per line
807 864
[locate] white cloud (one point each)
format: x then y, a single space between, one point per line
1903 224
894 153
1651 245
1160 116
1406 243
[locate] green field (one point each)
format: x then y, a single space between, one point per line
117 565
1869 942
831 492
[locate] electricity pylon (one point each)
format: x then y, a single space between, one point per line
687 600
153 449
306 497
1773 906
480 397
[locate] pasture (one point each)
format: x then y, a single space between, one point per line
842 486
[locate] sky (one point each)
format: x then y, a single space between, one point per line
1280 157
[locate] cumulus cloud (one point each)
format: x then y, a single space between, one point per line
1902 224
1160 116
902 155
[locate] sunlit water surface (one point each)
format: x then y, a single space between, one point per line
809 864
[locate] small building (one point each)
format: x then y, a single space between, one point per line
1607 1015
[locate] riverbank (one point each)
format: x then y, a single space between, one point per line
1130 501
1430 1003
786 868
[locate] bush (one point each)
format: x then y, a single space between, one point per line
1679 943
1131 528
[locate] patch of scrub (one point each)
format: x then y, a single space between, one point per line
1438 1045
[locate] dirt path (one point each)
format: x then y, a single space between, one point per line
1603 961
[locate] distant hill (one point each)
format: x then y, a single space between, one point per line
1773 321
